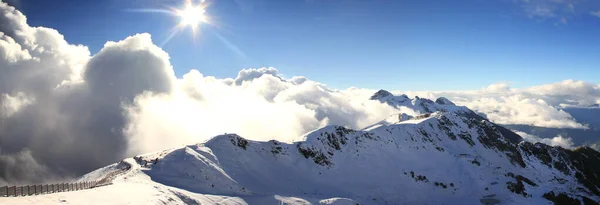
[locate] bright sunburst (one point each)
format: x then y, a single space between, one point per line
192 15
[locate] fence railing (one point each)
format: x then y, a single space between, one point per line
30 190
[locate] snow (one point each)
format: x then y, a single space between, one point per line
425 159
123 193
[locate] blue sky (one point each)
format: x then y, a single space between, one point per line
391 44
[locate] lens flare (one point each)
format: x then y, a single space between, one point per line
192 15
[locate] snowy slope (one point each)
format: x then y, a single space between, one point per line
446 155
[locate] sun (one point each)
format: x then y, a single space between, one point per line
192 15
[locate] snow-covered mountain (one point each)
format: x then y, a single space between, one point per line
446 155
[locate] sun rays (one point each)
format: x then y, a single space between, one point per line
192 16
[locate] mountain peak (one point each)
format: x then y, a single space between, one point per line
444 101
380 94
418 104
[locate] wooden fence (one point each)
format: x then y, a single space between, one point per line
29 190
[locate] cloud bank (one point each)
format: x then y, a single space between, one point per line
64 111
538 106
564 142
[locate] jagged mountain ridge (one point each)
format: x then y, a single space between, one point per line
447 155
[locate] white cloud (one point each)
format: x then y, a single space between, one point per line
62 106
596 146
538 106
595 13
251 74
264 108
560 11
12 104
564 142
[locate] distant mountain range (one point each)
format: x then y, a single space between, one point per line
450 155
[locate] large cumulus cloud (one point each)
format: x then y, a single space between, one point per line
61 108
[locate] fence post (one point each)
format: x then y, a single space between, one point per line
14 191
4 191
